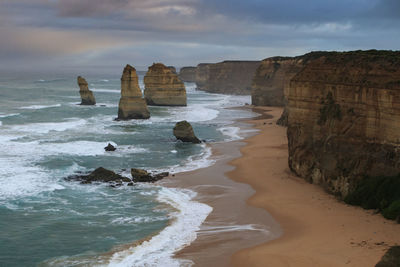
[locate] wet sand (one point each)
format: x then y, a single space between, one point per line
250 182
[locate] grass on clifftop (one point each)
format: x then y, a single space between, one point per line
382 193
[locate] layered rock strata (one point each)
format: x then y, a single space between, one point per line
132 104
163 87
184 131
271 80
188 74
344 118
87 96
228 77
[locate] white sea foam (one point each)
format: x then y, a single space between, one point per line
232 228
8 115
160 249
41 106
231 132
47 127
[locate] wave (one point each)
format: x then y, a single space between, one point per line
106 91
41 106
160 249
9 115
46 127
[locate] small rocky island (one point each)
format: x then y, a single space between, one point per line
86 95
184 131
163 87
132 104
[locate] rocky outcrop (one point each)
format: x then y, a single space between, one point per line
391 258
110 147
86 95
172 68
228 77
143 176
184 131
131 105
271 80
99 175
163 87
344 118
188 74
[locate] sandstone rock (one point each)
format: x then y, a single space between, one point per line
172 68
100 175
271 80
163 87
228 77
344 118
86 95
110 147
139 175
131 105
184 131
188 74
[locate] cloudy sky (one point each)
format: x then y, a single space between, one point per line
107 34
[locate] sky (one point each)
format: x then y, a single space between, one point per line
105 35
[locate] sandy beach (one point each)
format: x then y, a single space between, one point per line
265 216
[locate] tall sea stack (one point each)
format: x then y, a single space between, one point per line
344 119
132 104
163 87
86 95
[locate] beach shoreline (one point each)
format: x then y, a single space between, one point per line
294 223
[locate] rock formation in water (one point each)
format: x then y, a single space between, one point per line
184 131
188 74
344 118
132 104
228 77
172 68
110 147
143 176
163 87
271 80
86 95
99 175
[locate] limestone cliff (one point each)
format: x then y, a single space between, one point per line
131 105
188 74
87 96
228 77
163 87
271 80
344 118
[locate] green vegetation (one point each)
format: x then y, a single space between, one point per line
382 193
329 110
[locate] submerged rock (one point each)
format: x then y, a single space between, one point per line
86 95
110 147
99 175
139 175
184 131
163 87
131 105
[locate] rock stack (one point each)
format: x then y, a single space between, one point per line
184 131
163 87
131 105
86 95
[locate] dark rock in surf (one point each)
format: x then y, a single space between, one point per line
100 175
143 176
110 147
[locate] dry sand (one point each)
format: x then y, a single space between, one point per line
318 230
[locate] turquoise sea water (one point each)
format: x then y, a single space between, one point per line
45 136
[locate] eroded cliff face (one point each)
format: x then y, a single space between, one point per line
163 87
87 96
344 118
188 74
272 78
132 104
228 77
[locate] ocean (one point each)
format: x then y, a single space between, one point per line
46 136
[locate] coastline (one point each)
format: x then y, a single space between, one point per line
250 181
